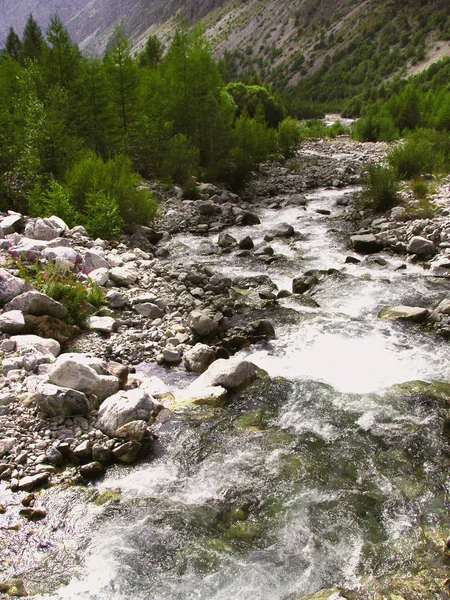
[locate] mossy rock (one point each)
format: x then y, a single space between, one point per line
234 515
107 497
251 420
417 389
330 594
14 588
403 313
243 531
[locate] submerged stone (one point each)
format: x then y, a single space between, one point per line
403 313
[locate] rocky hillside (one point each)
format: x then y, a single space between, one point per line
282 41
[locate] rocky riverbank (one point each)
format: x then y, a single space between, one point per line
73 402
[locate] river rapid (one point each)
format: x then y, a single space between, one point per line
331 473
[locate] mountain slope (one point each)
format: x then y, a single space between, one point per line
281 42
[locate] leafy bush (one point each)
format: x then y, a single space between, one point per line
115 178
380 188
414 157
288 136
181 159
52 200
102 216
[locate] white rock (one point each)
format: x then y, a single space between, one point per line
122 408
102 324
44 345
228 373
12 321
100 276
126 275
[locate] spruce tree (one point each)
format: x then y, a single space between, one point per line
13 45
63 58
33 40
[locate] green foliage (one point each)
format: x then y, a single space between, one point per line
33 41
114 179
102 216
288 136
60 283
420 188
62 58
380 188
254 98
152 53
13 45
181 160
413 157
54 199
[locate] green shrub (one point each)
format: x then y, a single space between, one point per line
115 178
60 283
181 160
52 200
288 136
102 216
380 188
414 157
420 188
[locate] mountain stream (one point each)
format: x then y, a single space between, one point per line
331 473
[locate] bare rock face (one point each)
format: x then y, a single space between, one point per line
230 374
12 322
366 243
122 408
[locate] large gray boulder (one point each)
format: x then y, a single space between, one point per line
102 324
55 401
122 408
78 376
25 343
366 243
36 303
42 229
10 286
93 261
149 310
201 323
198 358
61 254
282 230
13 222
421 247
230 374
124 276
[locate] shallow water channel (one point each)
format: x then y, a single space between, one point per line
326 474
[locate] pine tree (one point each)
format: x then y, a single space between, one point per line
152 53
33 41
123 79
63 58
13 45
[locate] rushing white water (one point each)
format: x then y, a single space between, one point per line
317 495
